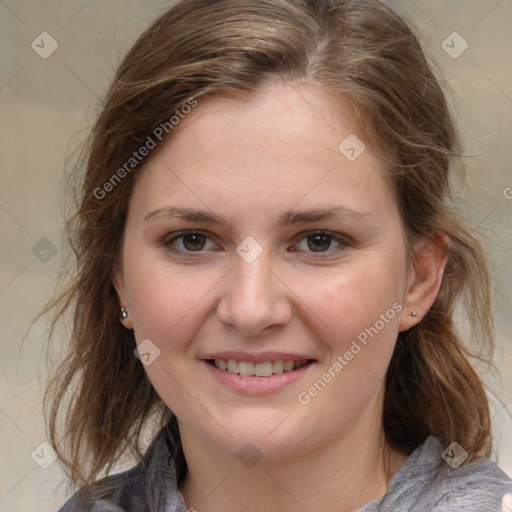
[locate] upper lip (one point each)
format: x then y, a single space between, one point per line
252 357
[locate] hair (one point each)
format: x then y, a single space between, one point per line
362 55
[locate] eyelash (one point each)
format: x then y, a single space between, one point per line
333 237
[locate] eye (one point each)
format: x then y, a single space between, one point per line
189 241
321 241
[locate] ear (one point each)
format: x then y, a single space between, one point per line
118 282
425 278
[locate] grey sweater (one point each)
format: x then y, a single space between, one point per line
424 483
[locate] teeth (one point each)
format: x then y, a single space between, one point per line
265 369
232 366
246 368
289 365
278 367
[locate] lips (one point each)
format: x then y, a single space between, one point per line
257 373
258 384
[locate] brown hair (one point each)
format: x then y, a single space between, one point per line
363 55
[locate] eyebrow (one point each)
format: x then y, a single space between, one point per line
287 219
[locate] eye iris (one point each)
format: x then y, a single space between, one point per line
319 242
194 241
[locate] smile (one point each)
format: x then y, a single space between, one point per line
262 369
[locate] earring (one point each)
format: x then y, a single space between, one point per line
413 313
123 314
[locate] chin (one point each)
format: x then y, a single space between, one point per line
270 438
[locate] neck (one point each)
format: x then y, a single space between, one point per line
343 474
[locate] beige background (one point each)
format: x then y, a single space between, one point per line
45 104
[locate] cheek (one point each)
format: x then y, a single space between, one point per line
357 297
362 310
166 307
163 301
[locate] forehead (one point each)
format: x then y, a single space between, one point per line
288 144
280 120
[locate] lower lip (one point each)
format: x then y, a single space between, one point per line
252 385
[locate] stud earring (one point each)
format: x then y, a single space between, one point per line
413 313
123 314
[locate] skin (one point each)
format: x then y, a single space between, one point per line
249 162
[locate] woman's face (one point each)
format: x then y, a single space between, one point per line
255 241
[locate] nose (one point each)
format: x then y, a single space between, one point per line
254 299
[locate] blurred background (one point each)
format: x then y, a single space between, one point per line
56 59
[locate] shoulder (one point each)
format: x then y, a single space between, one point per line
480 486
449 486
427 482
111 494
151 485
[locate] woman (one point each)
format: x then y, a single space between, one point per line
267 271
